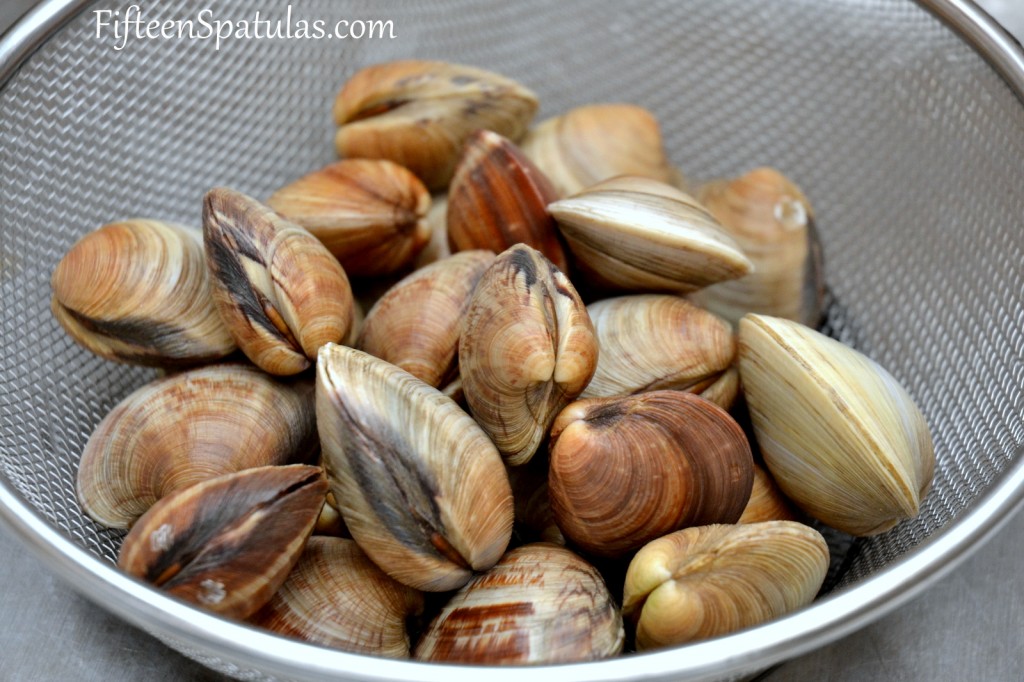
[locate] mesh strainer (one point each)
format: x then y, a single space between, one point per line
908 142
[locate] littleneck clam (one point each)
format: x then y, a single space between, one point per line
185 428
627 470
499 198
337 597
417 323
637 234
527 350
773 223
419 114
227 544
369 213
707 581
540 604
839 434
281 293
593 143
137 291
422 489
658 341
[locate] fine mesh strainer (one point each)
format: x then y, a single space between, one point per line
908 142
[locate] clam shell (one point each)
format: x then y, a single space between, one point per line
182 429
499 198
527 350
228 543
839 434
627 470
416 324
593 143
369 213
636 234
772 222
422 489
655 341
437 220
281 293
767 501
137 291
712 580
337 597
540 604
419 114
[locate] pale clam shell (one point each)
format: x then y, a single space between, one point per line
592 143
627 470
421 487
437 220
185 428
138 291
228 543
772 222
337 597
278 289
637 234
708 581
371 214
839 434
540 604
651 342
419 114
417 323
767 501
527 350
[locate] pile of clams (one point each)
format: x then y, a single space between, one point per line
523 392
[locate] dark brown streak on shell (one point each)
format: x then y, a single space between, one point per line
508 640
157 341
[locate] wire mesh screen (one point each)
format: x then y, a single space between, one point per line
909 146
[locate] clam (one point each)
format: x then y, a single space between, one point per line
540 604
137 291
185 428
627 470
656 341
416 324
839 434
369 213
767 501
592 143
422 489
708 581
527 350
419 114
637 234
337 597
281 293
437 220
228 543
773 223
499 198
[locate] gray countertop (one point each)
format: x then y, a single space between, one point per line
965 627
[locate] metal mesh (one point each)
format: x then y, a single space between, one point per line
907 143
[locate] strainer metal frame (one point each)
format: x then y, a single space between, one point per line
246 650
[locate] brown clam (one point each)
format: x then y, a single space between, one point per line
137 291
369 213
280 292
228 543
416 324
592 143
422 489
540 604
772 222
185 428
527 350
627 470
707 581
337 597
655 341
637 234
419 114
499 198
